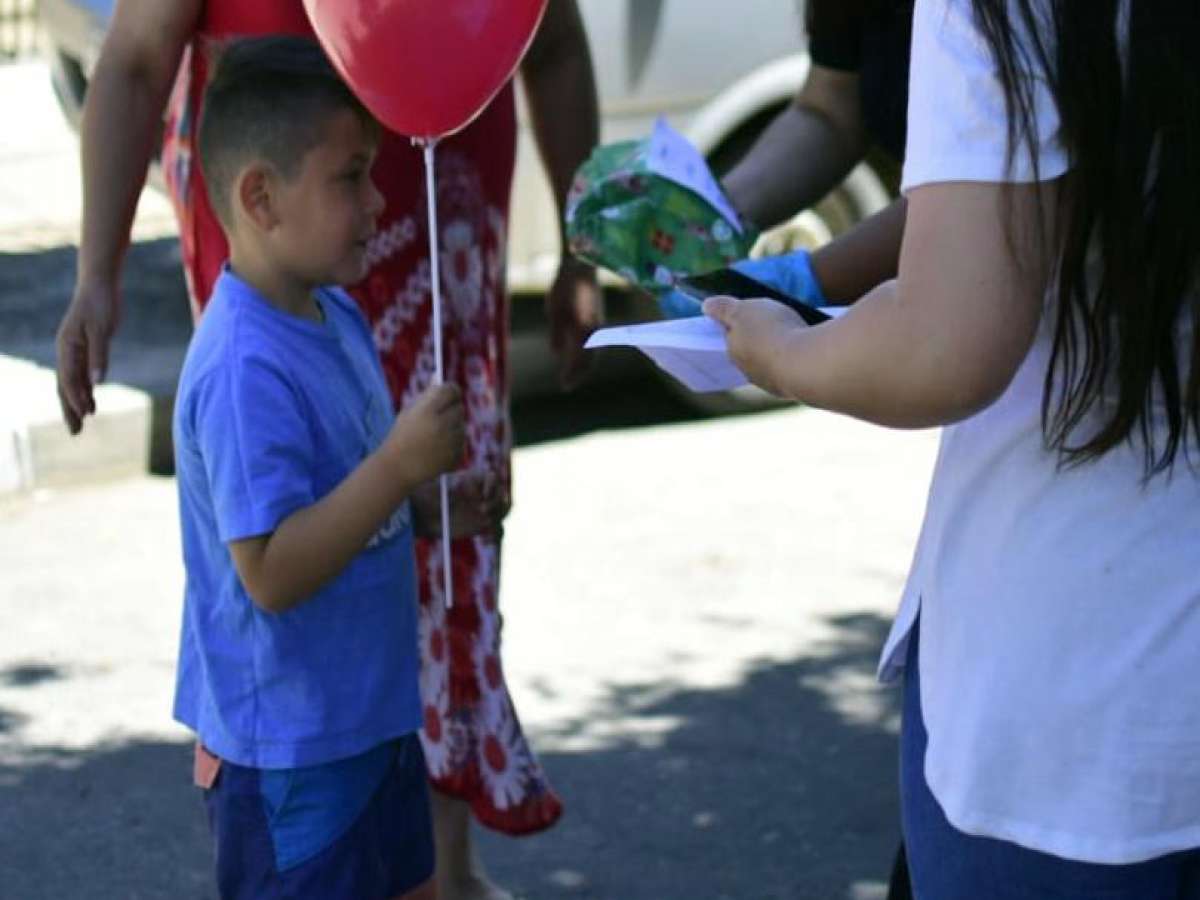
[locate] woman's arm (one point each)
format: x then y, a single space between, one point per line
862 258
560 87
122 117
938 344
804 153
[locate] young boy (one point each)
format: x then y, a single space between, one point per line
298 657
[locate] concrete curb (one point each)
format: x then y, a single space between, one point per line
36 451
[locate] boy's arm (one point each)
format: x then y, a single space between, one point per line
560 88
312 545
121 121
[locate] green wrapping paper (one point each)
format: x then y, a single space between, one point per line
651 211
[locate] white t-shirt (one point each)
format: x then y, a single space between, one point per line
1060 610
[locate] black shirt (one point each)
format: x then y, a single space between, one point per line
872 38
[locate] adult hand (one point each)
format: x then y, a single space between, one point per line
82 348
574 309
789 273
756 333
479 504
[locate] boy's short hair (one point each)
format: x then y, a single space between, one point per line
269 98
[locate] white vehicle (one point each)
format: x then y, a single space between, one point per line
718 70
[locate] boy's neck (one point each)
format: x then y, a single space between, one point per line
282 290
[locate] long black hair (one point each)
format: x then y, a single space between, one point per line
1128 241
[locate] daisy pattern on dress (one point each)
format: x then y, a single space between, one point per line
434 742
502 771
462 269
496 247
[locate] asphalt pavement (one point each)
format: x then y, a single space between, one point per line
693 610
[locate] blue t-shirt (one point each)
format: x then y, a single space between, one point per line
273 412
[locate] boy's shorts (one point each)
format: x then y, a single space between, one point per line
300 834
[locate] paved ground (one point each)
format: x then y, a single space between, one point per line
693 610
40 191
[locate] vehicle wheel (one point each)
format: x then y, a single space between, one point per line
70 85
862 194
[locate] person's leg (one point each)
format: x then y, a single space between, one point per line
427 891
899 884
1190 889
460 872
947 864
474 745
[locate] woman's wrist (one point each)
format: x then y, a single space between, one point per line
740 204
781 354
94 274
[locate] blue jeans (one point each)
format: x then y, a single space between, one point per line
946 864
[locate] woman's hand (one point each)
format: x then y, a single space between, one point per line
757 332
479 503
82 348
574 309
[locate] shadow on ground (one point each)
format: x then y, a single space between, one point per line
759 791
35 289
120 822
640 399
762 790
155 326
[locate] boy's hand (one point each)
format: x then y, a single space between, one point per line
427 438
478 504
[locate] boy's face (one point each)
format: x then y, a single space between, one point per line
326 212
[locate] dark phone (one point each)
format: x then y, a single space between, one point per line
732 283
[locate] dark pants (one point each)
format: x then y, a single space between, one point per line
899 885
386 852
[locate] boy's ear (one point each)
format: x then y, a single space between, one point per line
254 194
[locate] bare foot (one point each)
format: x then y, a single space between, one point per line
476 886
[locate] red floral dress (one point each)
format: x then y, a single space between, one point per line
474 745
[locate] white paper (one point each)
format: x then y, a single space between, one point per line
673 156
691 350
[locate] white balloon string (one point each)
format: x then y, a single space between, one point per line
436 282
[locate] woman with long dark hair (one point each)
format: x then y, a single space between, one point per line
1044 313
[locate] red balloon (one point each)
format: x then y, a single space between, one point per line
425 68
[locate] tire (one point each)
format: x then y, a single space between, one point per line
69 83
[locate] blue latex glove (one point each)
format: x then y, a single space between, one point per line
790 273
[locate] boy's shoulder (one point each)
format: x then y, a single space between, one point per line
231 346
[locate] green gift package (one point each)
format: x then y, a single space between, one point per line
651 211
